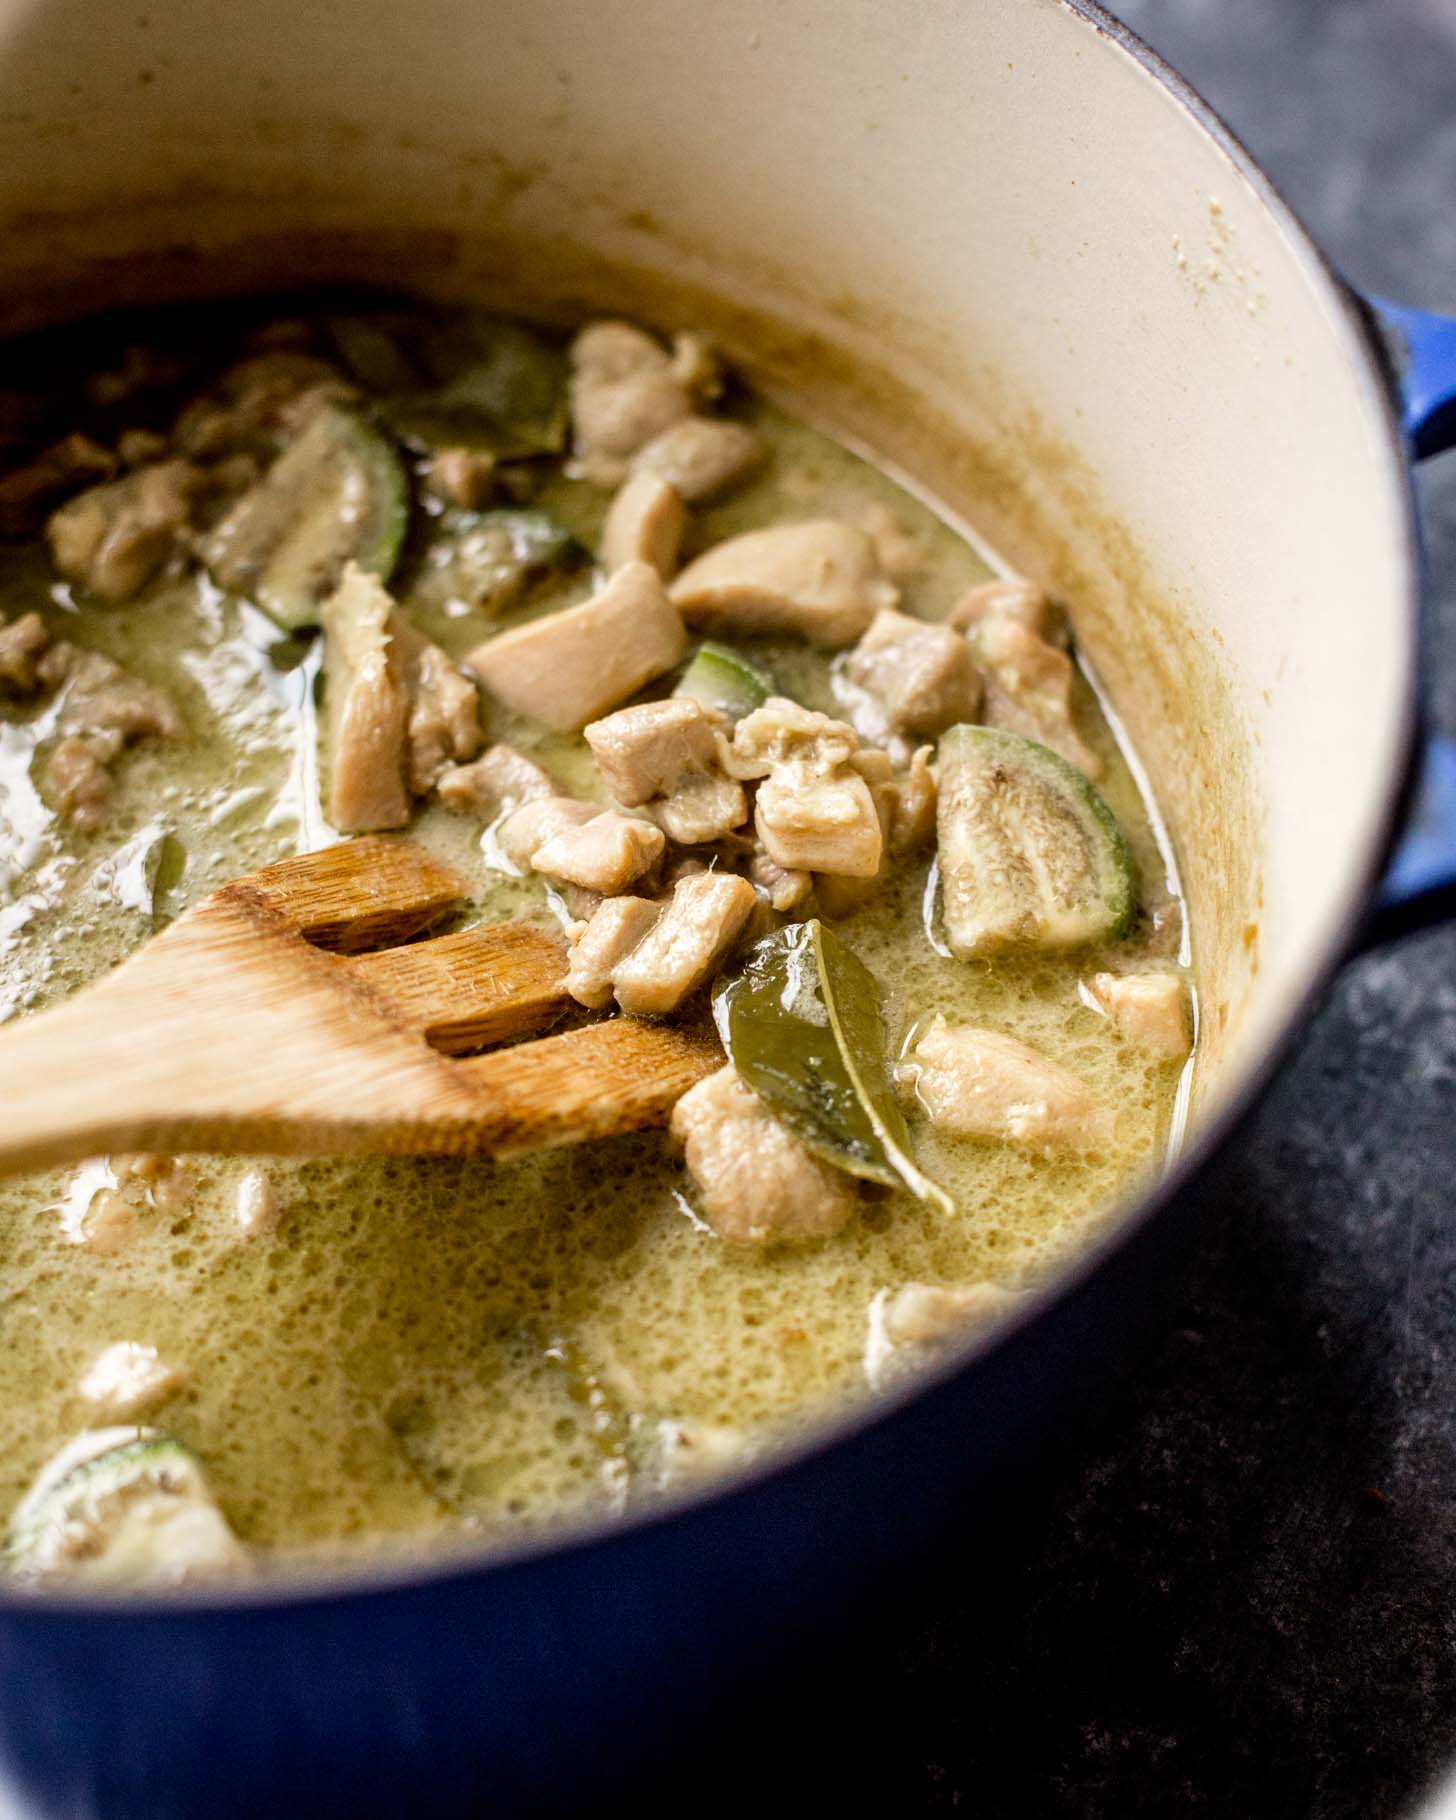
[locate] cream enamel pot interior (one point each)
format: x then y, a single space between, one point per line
993 241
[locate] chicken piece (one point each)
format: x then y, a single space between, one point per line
819 580
815 811
22 643
138 447
1022 602
983 1084
701 457
908 1327
368 708
526 830
686 944
784 890
645 750
757 1184
610 935
665 754
103 701
920 677
499 780
259 405
256 1207
569 667
704 808
901 552
907 806
165 1181
462 477
148 1181
77 782
443 723
606 854
113 538
28 493
624 390
103 712
1149 1009
1029 690
126 1379
644 523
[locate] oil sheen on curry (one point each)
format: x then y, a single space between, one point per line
755 733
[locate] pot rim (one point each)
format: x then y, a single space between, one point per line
363 1580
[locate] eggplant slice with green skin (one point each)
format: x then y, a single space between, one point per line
1030 854
803 1026
724 679
454 381
124 1507
338 494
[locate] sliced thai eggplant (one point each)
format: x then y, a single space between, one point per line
1030 854
122 1507
724 679
337 495
460 381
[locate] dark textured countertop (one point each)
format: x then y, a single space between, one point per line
1243 1600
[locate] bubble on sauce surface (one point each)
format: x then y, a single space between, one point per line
453 1347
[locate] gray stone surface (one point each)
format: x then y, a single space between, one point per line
1243 1602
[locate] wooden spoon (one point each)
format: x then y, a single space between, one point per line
255 1023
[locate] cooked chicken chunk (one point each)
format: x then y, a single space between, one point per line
500 779
28 492
1149 1009
665 754
644 751
571 666
820 580
103 701
757 1184
907 806
149 1180
78 782
462 477
784 890
399 709
606 854
625 389
908 1327
126 1379
443 724
368 708
611 934
113 538
814 811
259 405
644 523
21 644
980 1083
103 711
921 677
1029 690
526 830
701 457
1022 602
685 945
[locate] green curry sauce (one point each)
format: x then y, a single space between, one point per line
427 1350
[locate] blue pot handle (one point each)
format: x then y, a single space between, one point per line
1420 886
